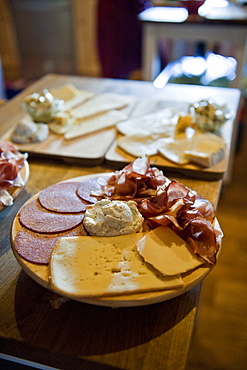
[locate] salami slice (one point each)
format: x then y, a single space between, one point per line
36 247
62 197
86 187
36 218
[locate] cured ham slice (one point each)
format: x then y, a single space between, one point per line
203 239
166 203
136 180
7 146
8 172
11 161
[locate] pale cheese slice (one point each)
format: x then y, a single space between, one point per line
77 100
167 252
162 121
101 103
93 266
139 145
71 95
173 150
92 124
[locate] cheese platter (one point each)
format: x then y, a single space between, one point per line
135 284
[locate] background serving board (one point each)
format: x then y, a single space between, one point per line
117 157
89 149
95 148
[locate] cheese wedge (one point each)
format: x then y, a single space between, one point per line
167 252
206 154
86 266
205 149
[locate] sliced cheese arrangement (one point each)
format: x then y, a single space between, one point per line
83 267
70 112
69 122
79 124
174 136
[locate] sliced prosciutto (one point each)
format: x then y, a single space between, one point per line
188 215
202 239
11 161
135 181
167 203
8 172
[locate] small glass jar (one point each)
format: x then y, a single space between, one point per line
209 116
42 107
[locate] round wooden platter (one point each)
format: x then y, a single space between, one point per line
16 190
40 274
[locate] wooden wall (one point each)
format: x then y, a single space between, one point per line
8 44
85 37
84 20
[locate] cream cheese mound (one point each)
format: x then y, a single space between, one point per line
112 217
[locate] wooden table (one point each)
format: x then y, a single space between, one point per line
219 24
78 335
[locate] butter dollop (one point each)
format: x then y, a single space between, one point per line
112 217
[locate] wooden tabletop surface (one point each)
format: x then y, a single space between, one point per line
78 335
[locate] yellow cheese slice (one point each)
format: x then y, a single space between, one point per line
71 95
167 252
86 266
